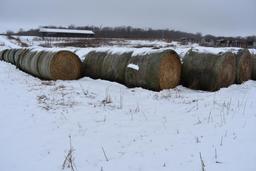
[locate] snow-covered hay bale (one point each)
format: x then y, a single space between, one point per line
59 65
243 66
254 67
154 71
114 66
92 64
206 71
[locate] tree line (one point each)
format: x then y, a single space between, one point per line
132 33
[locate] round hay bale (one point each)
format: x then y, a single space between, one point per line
254 67
6 55
92 64
33 65
155 71
2 52
11 56
25 61
243 66
19 55
209 72
114 66
60 65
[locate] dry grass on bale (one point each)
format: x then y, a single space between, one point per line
157 71
243 66
209 72
92 64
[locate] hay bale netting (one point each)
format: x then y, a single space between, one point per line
243 66
114 66
155 71
210 72
254 67
92 64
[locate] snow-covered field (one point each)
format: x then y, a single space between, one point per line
113 128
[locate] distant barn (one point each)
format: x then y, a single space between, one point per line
49 32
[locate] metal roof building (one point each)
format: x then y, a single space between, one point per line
49 32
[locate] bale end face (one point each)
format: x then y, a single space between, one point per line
65 65
170 70
155 71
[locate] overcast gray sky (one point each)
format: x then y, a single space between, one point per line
217 17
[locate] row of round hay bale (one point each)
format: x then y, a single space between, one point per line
243 66
155 71
106 65
59 65
209 72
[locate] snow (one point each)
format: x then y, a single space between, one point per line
252 51
138 129
7 43
133 66
82 52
